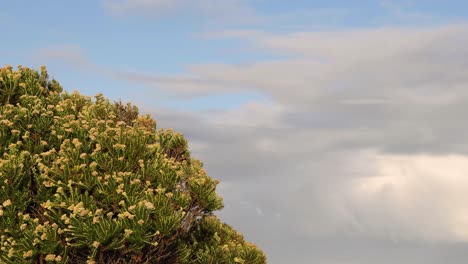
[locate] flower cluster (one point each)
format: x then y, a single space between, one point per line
86 180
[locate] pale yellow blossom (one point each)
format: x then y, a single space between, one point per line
128 232
149 205
28 254
50 257
7 203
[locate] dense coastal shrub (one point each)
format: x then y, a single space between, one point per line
84 180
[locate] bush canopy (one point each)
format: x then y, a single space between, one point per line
86 180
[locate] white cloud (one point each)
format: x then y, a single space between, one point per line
396 67
324 186
416 197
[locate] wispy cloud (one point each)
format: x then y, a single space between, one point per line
66 53
227 11
404 12
75 57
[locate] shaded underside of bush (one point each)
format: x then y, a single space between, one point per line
85 180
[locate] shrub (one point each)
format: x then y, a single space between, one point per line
85 180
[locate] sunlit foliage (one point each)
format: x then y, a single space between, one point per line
85 180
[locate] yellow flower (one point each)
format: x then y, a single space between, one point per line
11 252
76 142
96 244
149 205
7 203
28 254
98 147
238 260
47 204
83 212
119 146
128 232
50 257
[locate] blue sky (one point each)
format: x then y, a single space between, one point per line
167 41
336 126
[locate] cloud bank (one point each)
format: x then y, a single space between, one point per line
359 153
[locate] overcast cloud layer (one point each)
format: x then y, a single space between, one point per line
358 156
357 151
361 155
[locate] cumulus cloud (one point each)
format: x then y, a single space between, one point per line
414 197
310 193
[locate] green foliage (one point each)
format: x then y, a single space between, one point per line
214 242
84 180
